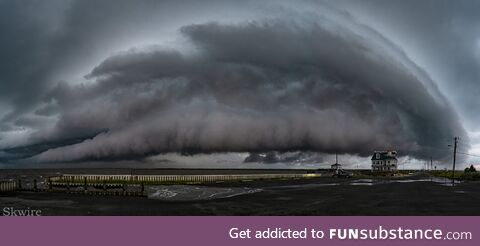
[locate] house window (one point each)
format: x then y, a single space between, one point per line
377 156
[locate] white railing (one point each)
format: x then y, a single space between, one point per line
6 186
74 178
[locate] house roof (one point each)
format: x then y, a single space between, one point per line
383 156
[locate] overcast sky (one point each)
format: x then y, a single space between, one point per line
215 83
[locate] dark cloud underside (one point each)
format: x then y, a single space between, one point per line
124 80
257 86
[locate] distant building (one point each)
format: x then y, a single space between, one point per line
336 166
384 161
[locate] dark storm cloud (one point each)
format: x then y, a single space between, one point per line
274 157
291 84
305 76
25 35
442 36
44 42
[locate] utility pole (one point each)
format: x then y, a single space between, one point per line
336 158
455 140
431 163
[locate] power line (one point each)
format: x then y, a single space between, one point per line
468 154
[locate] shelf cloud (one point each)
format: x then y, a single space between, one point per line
125 80
258 86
